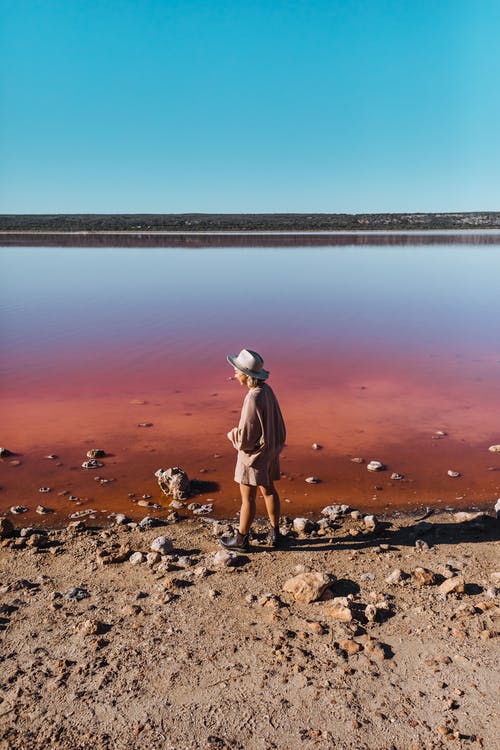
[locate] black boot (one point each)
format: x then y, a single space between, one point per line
275 537
238 542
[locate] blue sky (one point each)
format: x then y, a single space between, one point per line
262 106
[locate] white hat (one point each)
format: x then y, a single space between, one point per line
249 363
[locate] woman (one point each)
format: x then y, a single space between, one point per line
259 439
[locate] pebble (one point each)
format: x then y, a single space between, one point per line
136 558
339 608
93 627
16 509
153 558
52 456
455 585
397 477
367 577
421 545
45 489
307 587
370 523
357 460
203 510
4 452
162 545
375 466
225 558
148 522
312 480
423 577
453 474
316 446
92 464
303 525
145 424
96 453
494 449
42 510
77 593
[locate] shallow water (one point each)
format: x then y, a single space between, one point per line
372 349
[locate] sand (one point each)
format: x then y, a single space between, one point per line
188 654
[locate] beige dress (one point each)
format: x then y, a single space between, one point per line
259 438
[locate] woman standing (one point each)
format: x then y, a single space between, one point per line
259 439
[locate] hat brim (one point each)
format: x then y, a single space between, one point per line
262 375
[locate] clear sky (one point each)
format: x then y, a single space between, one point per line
249 106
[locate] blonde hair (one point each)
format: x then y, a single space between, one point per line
251 382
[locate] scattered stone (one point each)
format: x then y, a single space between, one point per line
371 612
350 646
423 577
42 510
357 460
52 456
83 513
77 593
367 577
203 510
76 526
45 489
92 464
176 504
339 608
146 504
153 558
316 446
17 509
174 481
162 545
370 523
462 516
307 587
334 511
145 424
397 477
312 480
492 449
5 452
455 585
149 522
120 518
136 558
226 558
421 545
356 515
93 627
96 453
303 525
453 474
374 648
6 528
375 466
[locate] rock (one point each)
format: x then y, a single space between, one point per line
339 608
370 523
5 452
92 464
423 577
120 519
303 525
350 646
145 424
45 489
77 593
225 558
93 627
356 515
147 504
42 510
397 477
83 513
96 453
374 648
492 449
371 612
357 460
17 509
148 522
136 558
36 540
396 577
162 545
497 509
453 474
316 446
334 511
375 466
307 587
421 545
455 585
463 516
75 526
367 577
203 510
153 558
174 482
312 480
6 528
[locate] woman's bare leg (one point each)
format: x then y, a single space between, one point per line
272 501
247 512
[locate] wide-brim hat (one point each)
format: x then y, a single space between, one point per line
249 363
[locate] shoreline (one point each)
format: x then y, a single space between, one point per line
388 637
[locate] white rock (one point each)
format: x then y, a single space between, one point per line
452 473
494 449
312 480
16 509
162 545
307 587
302 525
153 558
375 466
370 523
225 558
316 446
136 558
396 577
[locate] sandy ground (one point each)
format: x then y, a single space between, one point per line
184 653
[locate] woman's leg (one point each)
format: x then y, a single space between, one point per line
247 512
272 501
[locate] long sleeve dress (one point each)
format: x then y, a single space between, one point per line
259 438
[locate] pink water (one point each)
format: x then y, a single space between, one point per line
371 351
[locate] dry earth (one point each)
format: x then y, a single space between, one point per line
185 653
